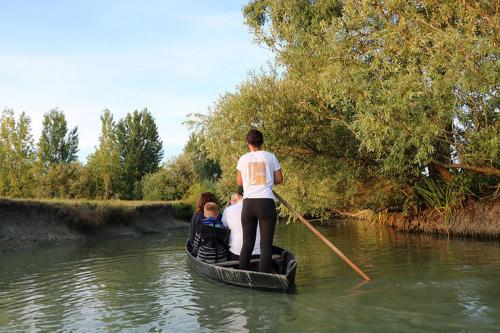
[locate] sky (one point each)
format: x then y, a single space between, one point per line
172 57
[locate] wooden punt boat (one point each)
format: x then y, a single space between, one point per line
282 279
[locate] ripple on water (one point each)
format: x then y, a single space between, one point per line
419 284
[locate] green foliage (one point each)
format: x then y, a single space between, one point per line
443 197
186 176
365 98
181 210
62 181
105 161
56 167
86 183
124 155
194 191
140 151
171 182
56 145
205 167
435 195
17 155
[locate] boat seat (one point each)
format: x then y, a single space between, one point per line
236 262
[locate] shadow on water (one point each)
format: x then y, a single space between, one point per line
420 284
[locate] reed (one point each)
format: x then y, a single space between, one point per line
442 198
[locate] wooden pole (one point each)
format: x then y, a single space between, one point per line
320 236
323 238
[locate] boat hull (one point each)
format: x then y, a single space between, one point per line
284 264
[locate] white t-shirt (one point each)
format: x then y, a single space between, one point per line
257 172
231 218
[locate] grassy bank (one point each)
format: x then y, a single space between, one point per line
29 222
94 213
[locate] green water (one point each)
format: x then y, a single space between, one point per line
420 284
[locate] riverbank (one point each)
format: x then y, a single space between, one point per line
479 219
42 222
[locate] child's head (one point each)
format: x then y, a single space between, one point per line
211 209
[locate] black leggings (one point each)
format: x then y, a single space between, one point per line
263 212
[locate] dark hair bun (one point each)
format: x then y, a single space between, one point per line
255 138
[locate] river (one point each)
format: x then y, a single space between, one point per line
420 283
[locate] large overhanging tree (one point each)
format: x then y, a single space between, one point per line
366 98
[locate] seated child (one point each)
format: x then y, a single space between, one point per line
212 215
211 239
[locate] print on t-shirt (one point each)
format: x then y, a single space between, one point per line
257 173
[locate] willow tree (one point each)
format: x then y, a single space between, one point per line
367 98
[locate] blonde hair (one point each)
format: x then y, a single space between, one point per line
211 209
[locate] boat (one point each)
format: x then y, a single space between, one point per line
281 279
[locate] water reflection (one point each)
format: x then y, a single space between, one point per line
420 283
236 309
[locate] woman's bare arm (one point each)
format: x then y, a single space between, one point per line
278 177
239 180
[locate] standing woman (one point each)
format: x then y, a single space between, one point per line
258 172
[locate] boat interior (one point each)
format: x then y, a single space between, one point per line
282 261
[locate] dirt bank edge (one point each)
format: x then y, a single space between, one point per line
35 223
477 219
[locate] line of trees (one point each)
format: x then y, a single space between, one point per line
126 163
370 104
127 151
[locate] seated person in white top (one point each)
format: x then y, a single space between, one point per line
231 218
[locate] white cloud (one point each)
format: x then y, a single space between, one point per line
170 74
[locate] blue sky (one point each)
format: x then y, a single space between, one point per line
173 57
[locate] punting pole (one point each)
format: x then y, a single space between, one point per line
323 238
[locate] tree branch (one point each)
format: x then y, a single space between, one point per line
490 171
446 175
